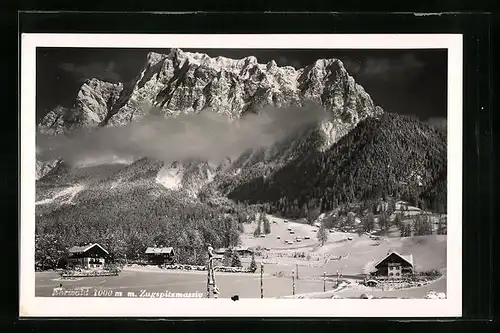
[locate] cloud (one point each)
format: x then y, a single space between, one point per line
96 70
383 67
286 61
206 135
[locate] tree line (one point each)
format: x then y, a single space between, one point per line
127 223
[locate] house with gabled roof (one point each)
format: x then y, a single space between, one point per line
395 265
89 256
242 250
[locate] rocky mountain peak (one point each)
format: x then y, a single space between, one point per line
271 65
179 82
185 82
324 63
153 58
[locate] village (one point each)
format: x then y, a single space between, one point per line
292 260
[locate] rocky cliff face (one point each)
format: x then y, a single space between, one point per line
43 168
94 102
183 82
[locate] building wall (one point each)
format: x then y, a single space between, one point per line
158 259
382 271
75 262
87 263
94 262
394 270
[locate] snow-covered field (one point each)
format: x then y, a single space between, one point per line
279 228
346 253
170 177
68 194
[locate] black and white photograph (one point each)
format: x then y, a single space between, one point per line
241 169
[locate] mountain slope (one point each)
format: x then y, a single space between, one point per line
182 82
126 210
389 155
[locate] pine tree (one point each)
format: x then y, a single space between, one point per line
441 229
235 260
405 230
253 264
398 220
257 230
422 226
322 235
383 222
350 219
368 222
267 226
227 260
391 208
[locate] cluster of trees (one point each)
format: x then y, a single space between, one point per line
406 230
263 224
267 224
382 215
231 259
392 156
322 235
422 225
441 228
368 222
258 229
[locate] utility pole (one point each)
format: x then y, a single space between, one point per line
324 281
293 283
261 282
208 272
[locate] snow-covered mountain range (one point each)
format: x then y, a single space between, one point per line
186 83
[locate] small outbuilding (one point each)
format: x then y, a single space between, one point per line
242 251
160 255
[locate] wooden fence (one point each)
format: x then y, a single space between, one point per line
90 274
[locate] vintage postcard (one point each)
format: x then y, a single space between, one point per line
241 175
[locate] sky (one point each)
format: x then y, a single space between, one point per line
408 82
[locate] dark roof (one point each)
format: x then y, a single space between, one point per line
237 249
85 248
159 250
407 258
241 248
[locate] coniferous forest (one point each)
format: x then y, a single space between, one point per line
126 221
394 155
